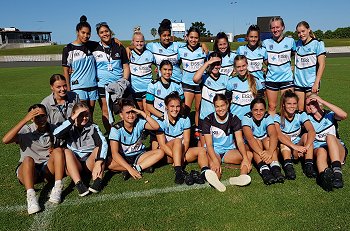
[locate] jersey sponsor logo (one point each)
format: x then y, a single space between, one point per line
217 132
159 104
226 70
305 61
172 58
140 70
242 98
208 94
321 136
192 66
279 59
254 65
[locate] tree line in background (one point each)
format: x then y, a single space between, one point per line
339 33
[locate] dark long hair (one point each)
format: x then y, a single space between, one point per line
221 35
83 23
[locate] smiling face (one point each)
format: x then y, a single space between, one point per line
258 111
83 35
138 41
277 29
312 106
290 105
303 33
128 114
222 45
221 108
193 38
165 38
166 71
105 35
241 67
59 89
173 108
253 38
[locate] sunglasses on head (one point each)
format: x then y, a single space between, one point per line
98 25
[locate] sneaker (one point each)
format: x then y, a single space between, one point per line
289 171
338 180
33 204
126 175
241 180
276 172
309 170
149 170
268 178
82 189
180 177
326 179
55 196
189 180
214 181
198 177
96 185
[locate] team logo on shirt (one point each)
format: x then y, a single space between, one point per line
117 55
271 47
259 55
286 46
208 82
132 58
199 55
160 50
235 86
245 53
309 49
185 54
147 59
159 91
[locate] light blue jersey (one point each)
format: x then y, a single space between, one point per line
157 91
241 95
170 53
141 70
259 128
279 59
222 132
292 128
176 129
306 62
211 87
130 142
79 58
109 62
191 62
327 125
227 64
255 58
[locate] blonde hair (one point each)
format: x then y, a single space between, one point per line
307 26
250 77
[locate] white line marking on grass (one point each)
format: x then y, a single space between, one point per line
43 219
15 95
109 197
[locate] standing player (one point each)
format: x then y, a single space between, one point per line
255 53
327 144
244 88
213 82
111 64
279 75
293 143
192 58
141 61
310 62
222 46
79 66
39 157
59 104
260 132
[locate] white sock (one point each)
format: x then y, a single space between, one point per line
30 191
58 183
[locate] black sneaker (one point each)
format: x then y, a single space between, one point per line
149 170
126 175
289 171
309 170
180 177
96 185
198 177
82 189
326 179
338 180
276 172
267 176
189 180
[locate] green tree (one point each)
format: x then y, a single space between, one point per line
202 29
154 32
319 34
328 34
292 34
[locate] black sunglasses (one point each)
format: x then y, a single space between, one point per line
98 25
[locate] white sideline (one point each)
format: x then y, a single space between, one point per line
108 197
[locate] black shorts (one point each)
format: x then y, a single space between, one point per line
101 92
305 89
195 89
276 86
138 96
132 159
39 171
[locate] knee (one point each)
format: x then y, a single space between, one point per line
330 138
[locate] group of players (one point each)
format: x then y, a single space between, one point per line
232 123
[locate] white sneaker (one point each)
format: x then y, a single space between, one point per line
55 196
241 180
33 204
214 181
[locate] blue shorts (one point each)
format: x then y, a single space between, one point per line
87 94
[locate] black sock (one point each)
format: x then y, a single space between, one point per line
204 169
177 168
287 162
309 161
336 166
262 166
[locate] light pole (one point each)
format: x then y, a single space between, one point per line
233 19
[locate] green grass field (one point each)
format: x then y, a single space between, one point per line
57 49
155 202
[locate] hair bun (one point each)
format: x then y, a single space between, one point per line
165 23
83 18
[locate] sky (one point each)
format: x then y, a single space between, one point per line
61 17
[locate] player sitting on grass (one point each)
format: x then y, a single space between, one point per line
128 152
39 157
86 148
174 139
